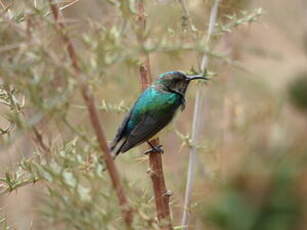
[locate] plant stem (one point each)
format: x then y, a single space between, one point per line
90 103
197 122
39 140
186 14
161 194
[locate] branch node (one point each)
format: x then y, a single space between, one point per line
150 172
168 193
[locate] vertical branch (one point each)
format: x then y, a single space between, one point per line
155 158
197 121
212 22
39 140
304 4
93 114
6 8
145 71
186 14
2 5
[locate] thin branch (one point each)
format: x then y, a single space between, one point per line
39 140
186 16
90 103
64 7
2 4
6 9
7 187
235 21
198 116
155 158
212 22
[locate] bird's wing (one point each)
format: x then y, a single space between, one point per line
149 126
120 131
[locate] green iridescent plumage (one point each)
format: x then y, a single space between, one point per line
154 109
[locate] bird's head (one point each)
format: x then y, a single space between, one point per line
176 81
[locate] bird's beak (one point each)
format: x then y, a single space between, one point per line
195 77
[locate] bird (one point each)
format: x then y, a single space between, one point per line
154 109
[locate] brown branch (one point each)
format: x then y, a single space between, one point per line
92 110
38 138
155 158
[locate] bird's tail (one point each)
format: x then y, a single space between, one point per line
116 148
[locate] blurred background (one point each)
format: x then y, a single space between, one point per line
252 160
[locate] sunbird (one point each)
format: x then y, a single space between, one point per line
154 109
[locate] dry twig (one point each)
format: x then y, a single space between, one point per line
197 121
90 103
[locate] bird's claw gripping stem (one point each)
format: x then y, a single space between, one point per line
154 149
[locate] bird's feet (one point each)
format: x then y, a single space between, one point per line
154 149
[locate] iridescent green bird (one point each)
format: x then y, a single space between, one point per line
154 109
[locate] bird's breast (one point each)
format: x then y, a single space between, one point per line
168 128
